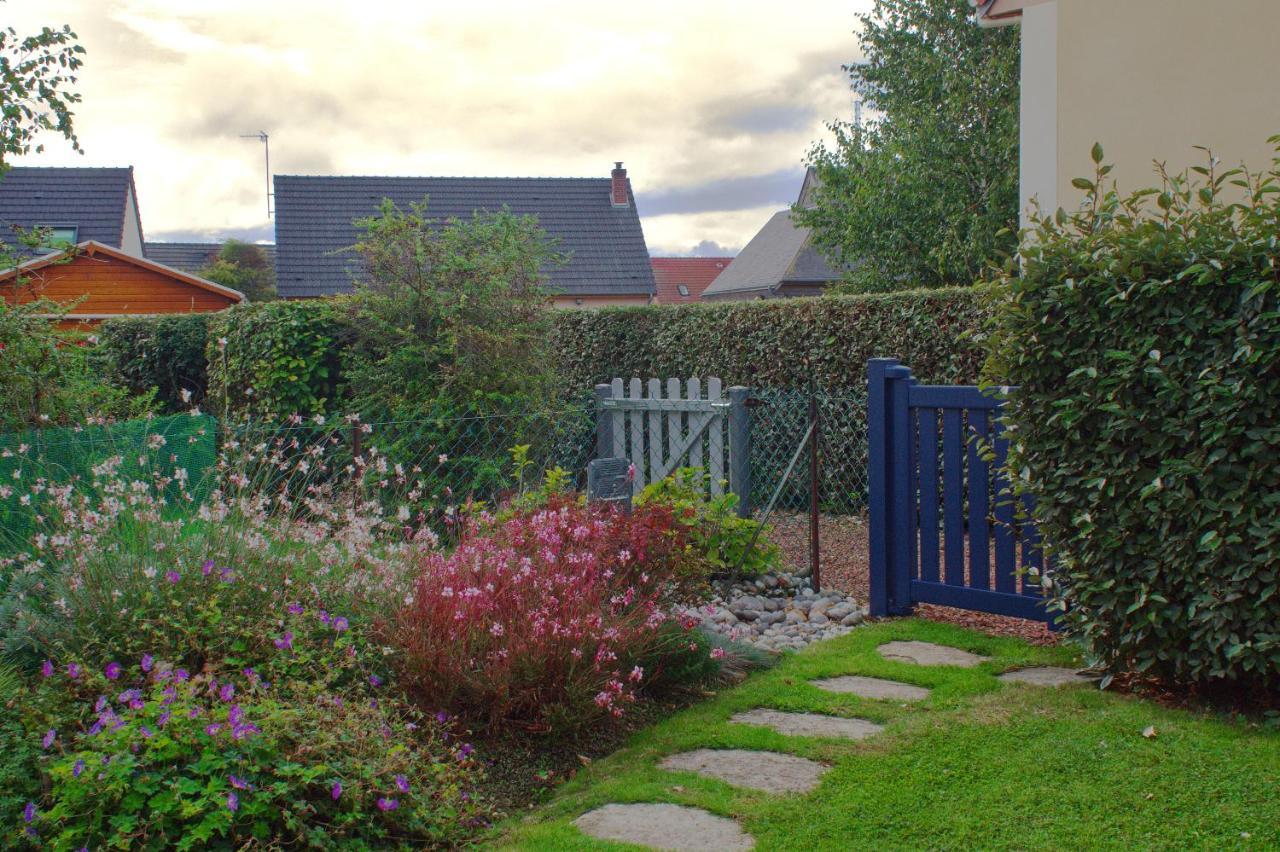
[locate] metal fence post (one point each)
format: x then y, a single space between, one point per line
878 448
815 546
604 423
740 448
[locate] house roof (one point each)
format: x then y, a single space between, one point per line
193 257
314 217
92 247
781 253
999 13
694 273
94 200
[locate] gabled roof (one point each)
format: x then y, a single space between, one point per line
94 200
314 217
1000 13
193 257
780 254
694 273
90 248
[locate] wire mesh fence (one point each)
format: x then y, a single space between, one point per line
430 463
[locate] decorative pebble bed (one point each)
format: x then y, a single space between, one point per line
779 612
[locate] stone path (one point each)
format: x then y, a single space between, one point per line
872 687
808 724
664 827
767 771
676 827
1046 676
929 654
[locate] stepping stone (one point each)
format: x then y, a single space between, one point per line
767 771
929 654
872 687
1046 676
808 724
672 827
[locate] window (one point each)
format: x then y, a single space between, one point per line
58 237
683 289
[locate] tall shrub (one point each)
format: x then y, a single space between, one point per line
1143 334
166 353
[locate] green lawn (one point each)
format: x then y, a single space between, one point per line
979 764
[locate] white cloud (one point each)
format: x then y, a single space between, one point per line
684 93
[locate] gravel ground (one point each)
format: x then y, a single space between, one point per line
843 550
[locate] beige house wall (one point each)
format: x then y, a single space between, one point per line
1151 79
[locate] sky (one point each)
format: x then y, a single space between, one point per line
712 106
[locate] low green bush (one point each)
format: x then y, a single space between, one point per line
728 543
1143 333
164 353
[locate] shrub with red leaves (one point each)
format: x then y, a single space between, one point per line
532 619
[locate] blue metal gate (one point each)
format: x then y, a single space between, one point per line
944 529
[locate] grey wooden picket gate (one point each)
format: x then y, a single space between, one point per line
665 425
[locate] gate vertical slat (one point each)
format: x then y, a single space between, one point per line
953 495
695 423
619 422
929 494
878 483
636 391
675 432
655 431
979 534
1006 555
715 440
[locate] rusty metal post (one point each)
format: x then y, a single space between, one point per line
815 559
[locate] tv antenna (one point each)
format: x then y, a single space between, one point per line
261 136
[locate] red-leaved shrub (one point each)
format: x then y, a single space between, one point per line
532 619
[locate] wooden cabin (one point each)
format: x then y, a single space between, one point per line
99 282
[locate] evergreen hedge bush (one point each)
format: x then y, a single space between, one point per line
166 353
1145 341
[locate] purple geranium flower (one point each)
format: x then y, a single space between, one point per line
147 733
49 738
236 714
227 692
181 675
73 670
239 783
295 608
163 718
29 813
465 751
402 784
112 670
374 680
233 801
336 790
226 575
46 670
172 576
387 804
212 728
340 624
77 769
239 732
285 642
207 567
147 662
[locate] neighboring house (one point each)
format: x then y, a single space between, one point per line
102 282
779 262
76 205
681 280
194 257
593 220
1148 79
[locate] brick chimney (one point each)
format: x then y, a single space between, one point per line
618 190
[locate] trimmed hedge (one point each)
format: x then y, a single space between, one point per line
780 344
1146 347
273 359
166 353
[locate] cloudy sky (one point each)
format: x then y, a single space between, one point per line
712 105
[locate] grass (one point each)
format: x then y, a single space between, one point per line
979 764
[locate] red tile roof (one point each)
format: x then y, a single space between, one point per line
694 274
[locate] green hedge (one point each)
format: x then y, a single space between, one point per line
1145 341
274 359
166 353
780 343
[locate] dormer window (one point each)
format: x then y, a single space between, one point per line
57 237
683 289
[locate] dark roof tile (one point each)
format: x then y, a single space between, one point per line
92 199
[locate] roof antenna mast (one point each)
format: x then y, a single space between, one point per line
261 136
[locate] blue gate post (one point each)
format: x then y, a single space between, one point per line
889 458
